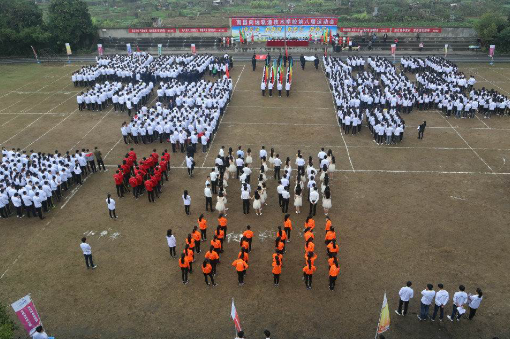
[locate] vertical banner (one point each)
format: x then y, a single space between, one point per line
27 314
193 49
384 319
393 50
445 50
35 54
492 48
128 48
160 48
100 49
68 49
235 317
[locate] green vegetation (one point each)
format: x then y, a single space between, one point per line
142 13
7 326
22 25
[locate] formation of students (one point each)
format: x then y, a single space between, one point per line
142 175
185 114
192 247
440 298
33 183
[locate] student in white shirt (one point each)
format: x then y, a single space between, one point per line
441 299
87 252
405 294
39 333
190 164
459 299
172 243
426 299
474 302
314 198
111 206
208 197
187 202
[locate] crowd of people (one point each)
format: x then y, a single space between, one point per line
142 175
32 183
440 298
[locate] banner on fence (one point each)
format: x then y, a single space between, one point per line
68 49
152 30
128 48
492 49
204 30
27 314
100 49
160 49
263 29
390 30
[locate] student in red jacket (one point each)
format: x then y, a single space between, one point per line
134 185
119 183
150 189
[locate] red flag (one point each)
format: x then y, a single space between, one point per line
252 37
137 48
310 37
227 73
286 51
235 317
326 52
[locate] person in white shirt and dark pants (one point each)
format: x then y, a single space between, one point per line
314 198
87 252
187 202
111 206
405 294
474 302
208 197
441 299
172 243
426 299
459 299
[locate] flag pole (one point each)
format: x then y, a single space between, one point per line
235 329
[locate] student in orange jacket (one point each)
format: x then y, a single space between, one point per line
248 234
308 272
244 255
241 267
330 235
332 248
334 270
244 244
189 255
279 245
202 224
310 256
213 258
328 223
277 270
196 236
207 270
220 234
309 234
309 246
310 223
190 242
287 225
216 243
222 221
184 265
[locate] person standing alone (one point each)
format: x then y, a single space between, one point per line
87 252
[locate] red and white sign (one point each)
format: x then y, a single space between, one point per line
152 30
204 30
296 21
492 48
391 30
393 49
261 56
27 314
235 316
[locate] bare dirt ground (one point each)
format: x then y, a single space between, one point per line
431 211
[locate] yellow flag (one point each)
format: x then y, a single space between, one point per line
68 49
384 319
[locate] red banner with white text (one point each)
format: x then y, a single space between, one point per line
291 21
204 30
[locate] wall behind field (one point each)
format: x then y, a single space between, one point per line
123 33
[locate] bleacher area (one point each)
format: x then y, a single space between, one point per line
405 44
173 43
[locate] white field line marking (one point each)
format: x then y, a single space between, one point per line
100 120
281 107
111 149
224 113
273 123
17 89
8 121
33 122
74 191
338 123
65 75
51 129
30 113
358 171
293 91
9 267
476 153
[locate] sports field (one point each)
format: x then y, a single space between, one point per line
431 211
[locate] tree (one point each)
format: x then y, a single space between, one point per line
503 40
488 26
21 25
69 21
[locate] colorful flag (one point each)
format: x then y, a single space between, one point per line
100 49
227 73
35 53
27 314
128 48
384 319
235 317
160 49
393 49
492 49
68 49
